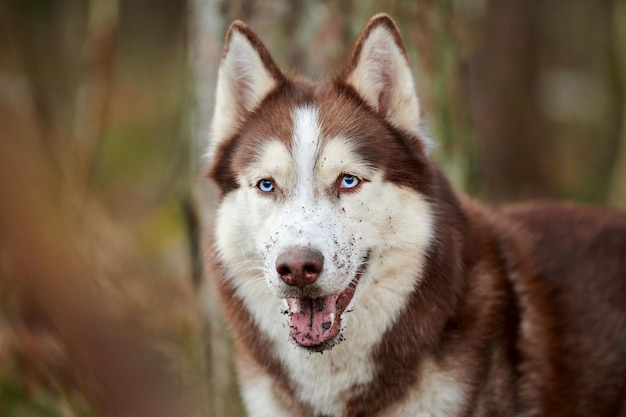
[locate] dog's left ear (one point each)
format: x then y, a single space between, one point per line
379 70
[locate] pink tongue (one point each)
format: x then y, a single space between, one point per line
314 320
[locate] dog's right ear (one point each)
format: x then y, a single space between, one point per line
246 75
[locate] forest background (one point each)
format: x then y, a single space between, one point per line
104 113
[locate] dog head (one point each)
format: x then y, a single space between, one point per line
324 208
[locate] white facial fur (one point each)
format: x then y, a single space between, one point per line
306 212
391 223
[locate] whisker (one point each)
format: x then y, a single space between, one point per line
257 281
248 265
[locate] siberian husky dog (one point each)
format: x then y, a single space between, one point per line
356 282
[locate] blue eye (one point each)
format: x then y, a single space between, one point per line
265 186
349 181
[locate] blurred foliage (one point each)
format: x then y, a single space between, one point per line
104 112
97 259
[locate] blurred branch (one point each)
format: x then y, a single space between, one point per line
617 190
193 225
50 64
209 23
94 98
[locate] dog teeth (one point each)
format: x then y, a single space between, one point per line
332 319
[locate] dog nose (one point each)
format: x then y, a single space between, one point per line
299 266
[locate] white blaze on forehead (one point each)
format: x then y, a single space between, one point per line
305 146
291 171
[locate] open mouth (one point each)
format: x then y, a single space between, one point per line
315 323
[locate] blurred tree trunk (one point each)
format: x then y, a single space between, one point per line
617 195
48 62
544 101
210 20
502 80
